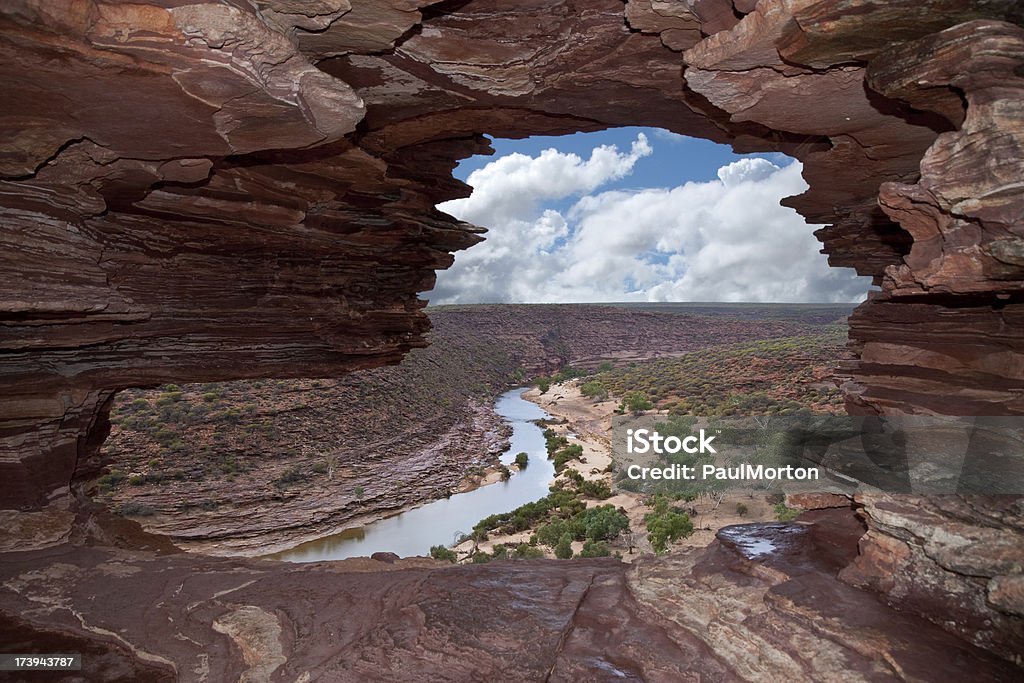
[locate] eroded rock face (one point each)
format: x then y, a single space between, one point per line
712 615
218 190
187 196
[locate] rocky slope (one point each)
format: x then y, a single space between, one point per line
259 466
720 614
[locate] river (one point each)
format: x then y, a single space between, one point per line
414 531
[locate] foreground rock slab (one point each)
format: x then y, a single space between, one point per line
718 614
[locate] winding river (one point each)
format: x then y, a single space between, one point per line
413 532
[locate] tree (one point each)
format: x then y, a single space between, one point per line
665 525
595 549
594 389
563 550
522 460
637 402
543 383
439 552
524 552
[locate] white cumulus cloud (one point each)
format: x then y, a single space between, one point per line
723 240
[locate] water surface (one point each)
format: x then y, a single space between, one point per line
440 522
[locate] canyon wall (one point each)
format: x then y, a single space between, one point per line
220 190
195 192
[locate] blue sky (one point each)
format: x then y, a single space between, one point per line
636 214
676 158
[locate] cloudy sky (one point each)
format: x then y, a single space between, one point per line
636 215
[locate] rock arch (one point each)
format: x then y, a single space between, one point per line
211 191
223 190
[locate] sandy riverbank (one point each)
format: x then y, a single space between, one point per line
589 423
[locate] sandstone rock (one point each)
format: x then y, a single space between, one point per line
712 614
388 558
817 501
187 196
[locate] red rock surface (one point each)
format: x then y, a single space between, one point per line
711 615
221 190
210 191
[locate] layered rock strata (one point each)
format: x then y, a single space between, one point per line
214 191
218 190
723 614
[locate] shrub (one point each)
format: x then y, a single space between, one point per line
637 402
506 473
665 525
522 459
480 557
564 455
549 534
741 509
594 389
439 552
134 508
595 489
595 549
292 475
785 514
601 523
110 480
525 551
563 550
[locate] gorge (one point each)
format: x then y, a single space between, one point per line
222 190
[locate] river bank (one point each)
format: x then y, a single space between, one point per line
415 530
588 423
239 515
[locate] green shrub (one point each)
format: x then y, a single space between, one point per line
785 514
598 489
292 475
522 459
595 549
665 525
563 549
602 523
524 551
134 508
439 552
110 480
741 509
564 455
637 402
594 389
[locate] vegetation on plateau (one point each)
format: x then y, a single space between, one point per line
773 376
